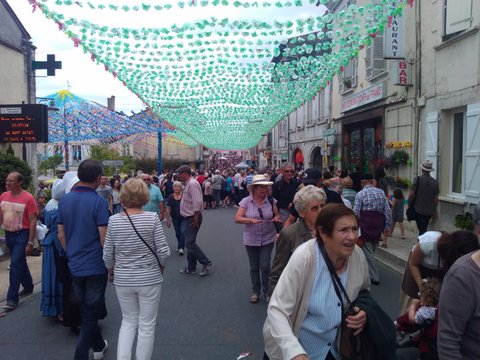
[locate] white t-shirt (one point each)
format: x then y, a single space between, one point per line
428 246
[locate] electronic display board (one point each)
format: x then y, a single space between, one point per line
24 123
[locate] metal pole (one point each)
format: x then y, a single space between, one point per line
159 152
65 144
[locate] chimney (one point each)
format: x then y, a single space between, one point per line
111 102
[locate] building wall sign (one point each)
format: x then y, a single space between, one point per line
394 37
403 73
367 96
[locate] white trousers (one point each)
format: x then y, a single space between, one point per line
139 311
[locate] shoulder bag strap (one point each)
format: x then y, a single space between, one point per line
141 238
416 190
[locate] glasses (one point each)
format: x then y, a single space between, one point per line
147 180
288 171
260 212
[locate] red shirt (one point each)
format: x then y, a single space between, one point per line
200 179
16 210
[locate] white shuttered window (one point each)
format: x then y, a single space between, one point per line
457 15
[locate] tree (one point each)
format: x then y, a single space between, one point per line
10 163
51 164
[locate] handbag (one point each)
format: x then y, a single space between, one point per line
141 238
278 225
411 213
351 347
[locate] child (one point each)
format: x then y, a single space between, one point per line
422 310
398 211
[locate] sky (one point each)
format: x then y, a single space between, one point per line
78 74
85 78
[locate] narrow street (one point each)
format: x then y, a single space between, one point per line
199 318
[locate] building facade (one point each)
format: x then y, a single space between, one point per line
449 101
16 75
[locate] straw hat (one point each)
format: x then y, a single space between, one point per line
260 179
427 166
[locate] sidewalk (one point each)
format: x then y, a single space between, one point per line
396 254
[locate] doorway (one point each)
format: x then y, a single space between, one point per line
362 145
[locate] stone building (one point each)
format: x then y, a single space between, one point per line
16 75
449 100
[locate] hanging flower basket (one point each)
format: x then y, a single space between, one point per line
400 157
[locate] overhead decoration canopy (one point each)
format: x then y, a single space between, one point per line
222 71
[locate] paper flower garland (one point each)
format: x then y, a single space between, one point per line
222 71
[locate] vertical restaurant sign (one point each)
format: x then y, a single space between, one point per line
394 36
24 123
402 73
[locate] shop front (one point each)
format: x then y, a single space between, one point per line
362 129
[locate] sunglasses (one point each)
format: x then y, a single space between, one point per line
147 180
260 213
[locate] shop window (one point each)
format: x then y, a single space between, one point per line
457 17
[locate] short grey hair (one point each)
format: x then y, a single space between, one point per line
306 195
287 164
177 183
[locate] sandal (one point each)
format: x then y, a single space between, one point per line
254 298
384 245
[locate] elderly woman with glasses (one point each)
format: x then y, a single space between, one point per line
258 213
308 201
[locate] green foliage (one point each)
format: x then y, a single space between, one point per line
9 163
147 165
400 157
464 221
50 164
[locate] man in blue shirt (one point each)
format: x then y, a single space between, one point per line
155 204
375 216
82 225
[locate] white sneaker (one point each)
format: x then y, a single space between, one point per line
181 252
98 355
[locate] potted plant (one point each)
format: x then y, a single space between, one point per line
400 157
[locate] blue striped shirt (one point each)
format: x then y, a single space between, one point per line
319 329
373 199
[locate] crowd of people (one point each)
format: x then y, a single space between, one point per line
324 227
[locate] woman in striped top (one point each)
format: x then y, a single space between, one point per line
135 271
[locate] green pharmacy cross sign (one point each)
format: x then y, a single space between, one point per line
50 65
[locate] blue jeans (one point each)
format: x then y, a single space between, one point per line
194 253
179 224
259 257
217 196
90 292
19 271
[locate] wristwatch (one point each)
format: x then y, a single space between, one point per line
30 243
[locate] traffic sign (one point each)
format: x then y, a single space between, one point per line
116 163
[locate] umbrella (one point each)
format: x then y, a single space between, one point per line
241 165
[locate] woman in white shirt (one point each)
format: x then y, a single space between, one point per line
136 266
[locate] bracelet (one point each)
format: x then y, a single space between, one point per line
30 243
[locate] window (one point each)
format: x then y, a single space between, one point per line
457 16
374 61
348 77
457 151
58 150
77 152
315 113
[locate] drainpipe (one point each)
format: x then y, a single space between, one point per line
418 83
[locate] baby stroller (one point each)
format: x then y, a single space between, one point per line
423 337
